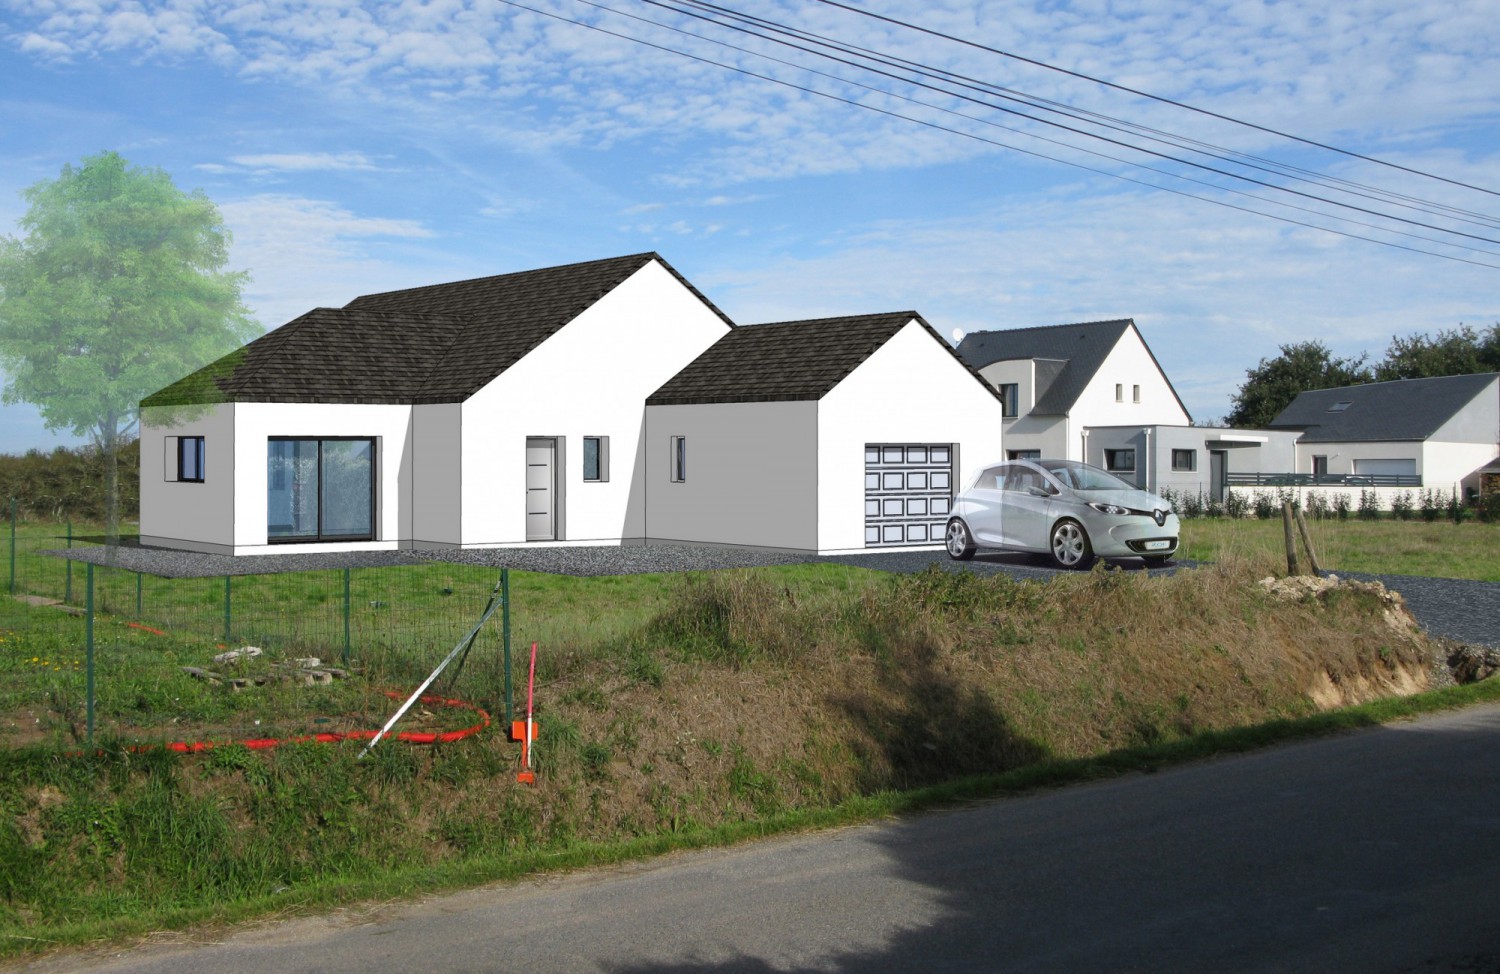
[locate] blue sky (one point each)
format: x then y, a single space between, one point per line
360 147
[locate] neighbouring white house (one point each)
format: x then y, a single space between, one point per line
826 435
513 410
1061 381
501 410
1435 433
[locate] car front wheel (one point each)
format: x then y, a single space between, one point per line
960 545
1070 545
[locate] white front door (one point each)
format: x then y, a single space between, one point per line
541 489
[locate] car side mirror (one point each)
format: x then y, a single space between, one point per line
1036 491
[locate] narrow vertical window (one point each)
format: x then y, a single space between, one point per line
596 459
1135 393
190 459
1119 392
679 459
1009 399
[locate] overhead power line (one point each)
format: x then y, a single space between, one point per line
1158 98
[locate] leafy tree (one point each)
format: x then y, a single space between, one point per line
116 289
1274 383
1462 351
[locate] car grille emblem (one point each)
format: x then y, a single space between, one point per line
1160 516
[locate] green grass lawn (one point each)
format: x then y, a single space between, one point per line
1440 549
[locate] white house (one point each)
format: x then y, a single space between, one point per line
513 410
1437 433
825 435
1058 382
502 410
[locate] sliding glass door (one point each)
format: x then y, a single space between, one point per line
320 489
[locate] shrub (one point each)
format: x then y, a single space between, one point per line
1432 504
1235 505
1317 505
1265 505
1488 507
1369 505
1458 512
1341 505
1213 507
1192 505
1402 505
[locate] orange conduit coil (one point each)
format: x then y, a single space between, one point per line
333 737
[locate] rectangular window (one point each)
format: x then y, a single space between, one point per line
185 459
1023 454
679 459
1320 466
1119 392
1119 461
1184 459
1010 399
596 459
1135 393
320 489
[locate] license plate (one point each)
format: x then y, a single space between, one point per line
1157 545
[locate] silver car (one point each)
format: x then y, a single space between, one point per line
1070 510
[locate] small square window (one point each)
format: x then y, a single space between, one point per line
190 459
1184 459
1119 461
679 459
595 459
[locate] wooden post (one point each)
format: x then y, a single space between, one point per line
1312 556
1291 542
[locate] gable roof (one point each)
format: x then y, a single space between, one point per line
1402 409
433 344
1082 347
788 360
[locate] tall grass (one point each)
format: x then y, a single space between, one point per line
1439 549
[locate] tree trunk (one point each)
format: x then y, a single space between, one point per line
110 442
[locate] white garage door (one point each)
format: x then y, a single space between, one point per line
908 489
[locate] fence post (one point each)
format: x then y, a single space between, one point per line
505 636
88 678
226 609
346 618
1291 544
68 585
12 546
138 611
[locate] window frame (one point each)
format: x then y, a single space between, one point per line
1192 460
1010 400
1111 454
200 458
601 460
320 537
1119 392
677 458
1135 394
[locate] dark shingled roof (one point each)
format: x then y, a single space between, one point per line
1082 347
1404 409
434 344
787 360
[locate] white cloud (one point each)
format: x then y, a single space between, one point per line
304 162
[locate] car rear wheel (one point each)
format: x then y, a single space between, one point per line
1070 545
960 545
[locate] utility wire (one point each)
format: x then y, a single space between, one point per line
1231 156
1157 98
979 138
1031 135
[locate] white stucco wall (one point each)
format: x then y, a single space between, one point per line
752 474
189 515
910 391
1128 364
591 378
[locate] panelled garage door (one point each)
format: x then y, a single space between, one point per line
908 489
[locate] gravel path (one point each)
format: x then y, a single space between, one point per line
1459 609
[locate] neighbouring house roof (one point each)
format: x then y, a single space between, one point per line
1081 348
788 360
433 344
1402 409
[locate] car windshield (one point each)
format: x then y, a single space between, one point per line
1081 476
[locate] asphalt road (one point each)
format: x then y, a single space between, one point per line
1377 851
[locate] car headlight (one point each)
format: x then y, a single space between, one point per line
1115 509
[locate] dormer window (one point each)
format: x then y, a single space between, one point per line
1010 399
1339 407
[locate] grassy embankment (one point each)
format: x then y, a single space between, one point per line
684 710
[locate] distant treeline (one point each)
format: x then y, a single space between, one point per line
68 484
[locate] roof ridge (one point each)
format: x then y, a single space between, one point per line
1419 378
905 315
643 256
1069 324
